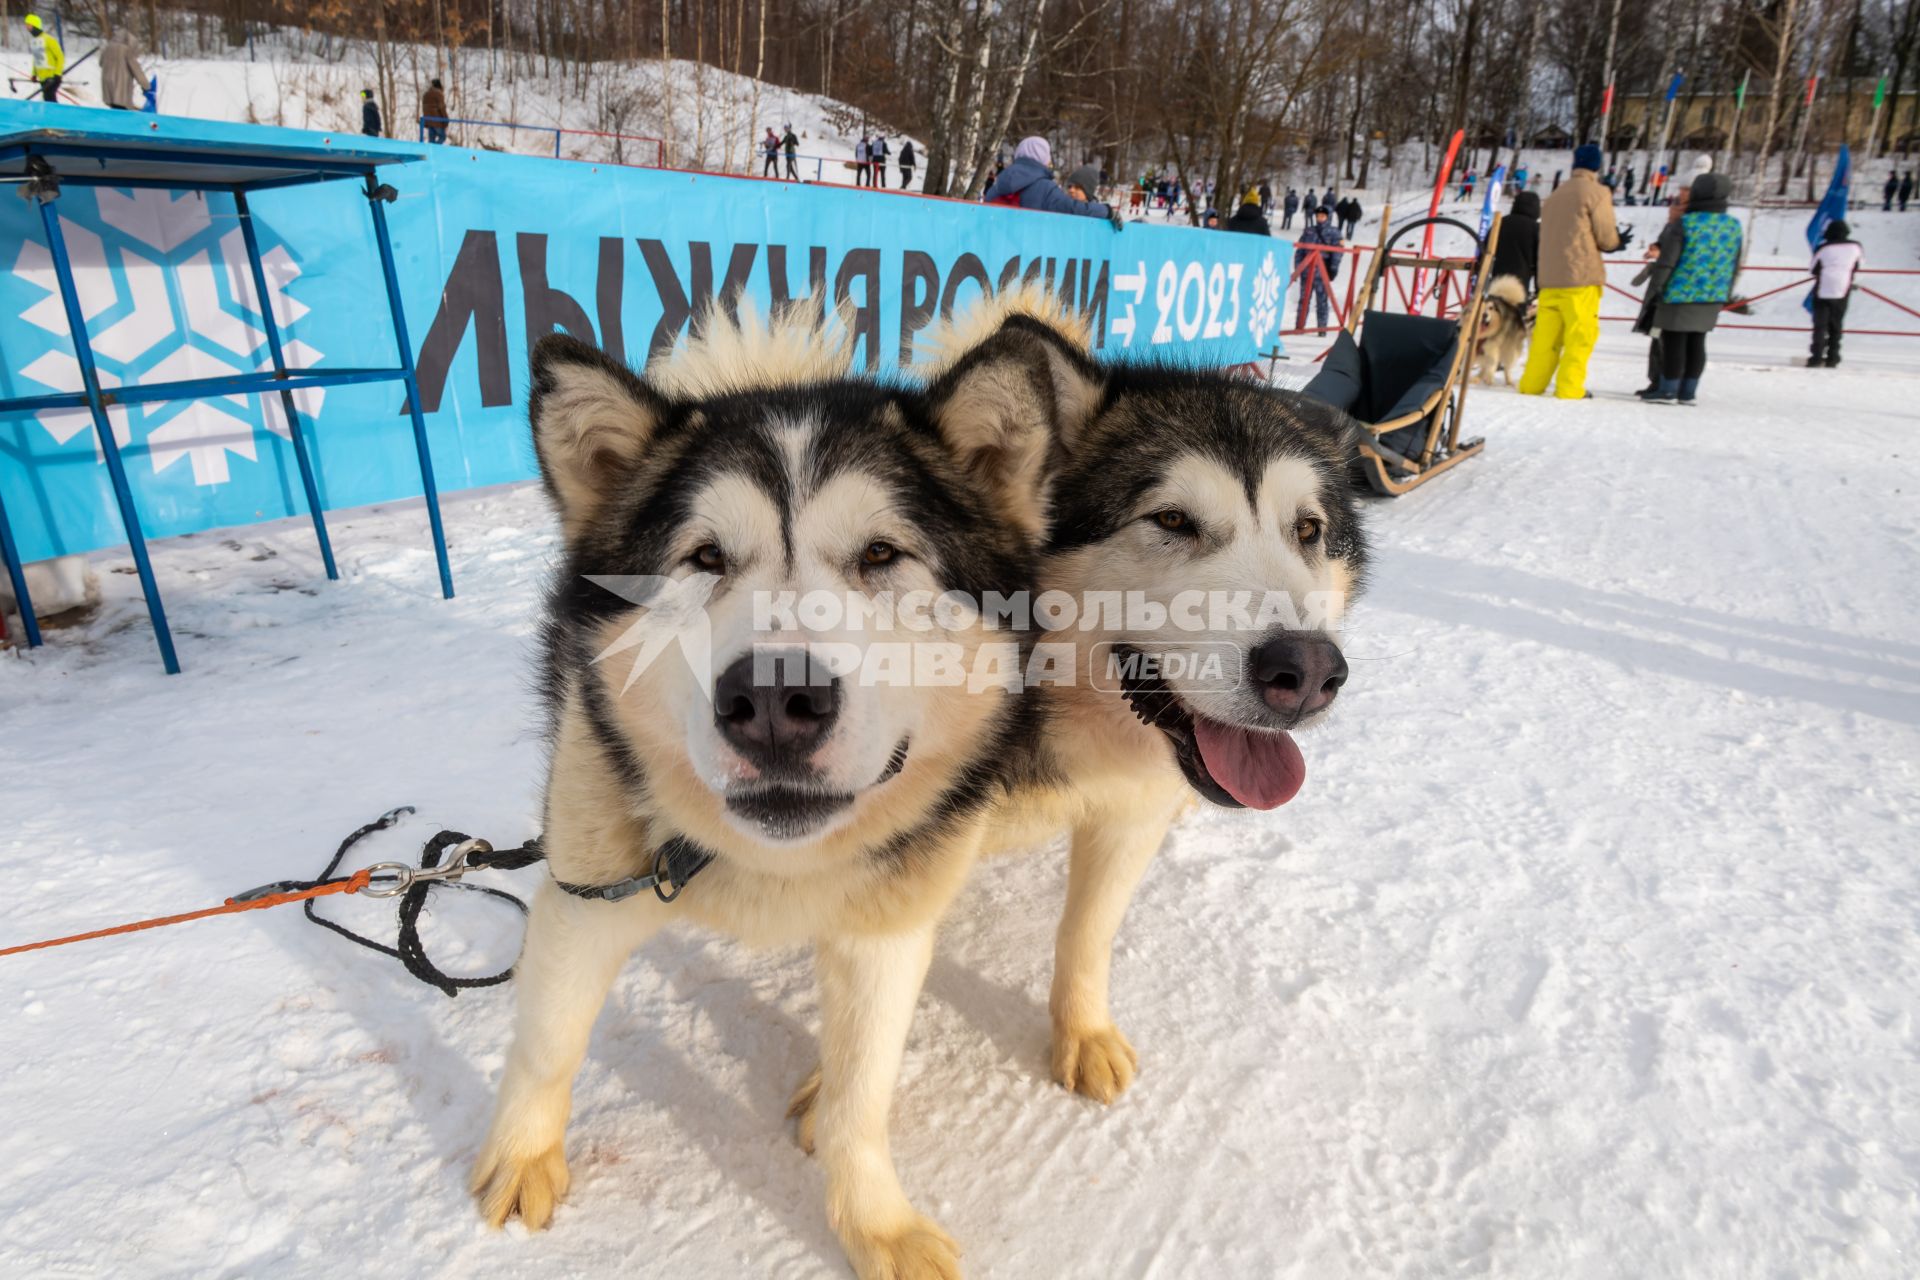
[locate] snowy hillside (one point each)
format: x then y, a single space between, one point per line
710 118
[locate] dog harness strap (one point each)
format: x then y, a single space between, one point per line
674 863
449 855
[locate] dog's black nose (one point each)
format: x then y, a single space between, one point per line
1298 675
775 705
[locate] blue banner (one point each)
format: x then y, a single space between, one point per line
493 251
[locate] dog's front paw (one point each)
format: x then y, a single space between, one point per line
506 1184
801 1109
1098 1063
918 1251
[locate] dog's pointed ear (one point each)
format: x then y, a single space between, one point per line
592 418
1003 403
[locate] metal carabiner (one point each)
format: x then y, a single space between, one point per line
403 877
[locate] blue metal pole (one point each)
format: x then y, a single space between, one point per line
16 573
294 432
109 447
431 491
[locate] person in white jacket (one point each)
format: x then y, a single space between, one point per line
1834 265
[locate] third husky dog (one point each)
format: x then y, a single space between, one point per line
1501 345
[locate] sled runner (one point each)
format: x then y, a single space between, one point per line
1404 376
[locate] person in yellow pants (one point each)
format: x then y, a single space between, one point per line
1564 331
1576 228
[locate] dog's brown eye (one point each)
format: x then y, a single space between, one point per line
878 553
1172 520
1308 530
711 558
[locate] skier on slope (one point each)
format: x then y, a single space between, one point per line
49 59
790 143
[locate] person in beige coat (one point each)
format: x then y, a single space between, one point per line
123 81
1576 227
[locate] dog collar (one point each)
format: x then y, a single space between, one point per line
674 864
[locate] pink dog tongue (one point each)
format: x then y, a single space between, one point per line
1260 770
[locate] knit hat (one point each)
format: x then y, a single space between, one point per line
1252 196
1709 193
1035 149
1837 230
1086 177
1588 156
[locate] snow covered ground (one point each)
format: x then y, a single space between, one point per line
1589 949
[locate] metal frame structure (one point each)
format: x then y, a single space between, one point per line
47 159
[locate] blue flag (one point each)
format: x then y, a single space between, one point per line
1832 209
1494 184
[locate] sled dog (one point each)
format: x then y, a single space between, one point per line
1223 509
1501 344
833 810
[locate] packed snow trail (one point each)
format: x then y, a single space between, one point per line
1588 949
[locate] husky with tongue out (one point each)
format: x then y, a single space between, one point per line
1206 529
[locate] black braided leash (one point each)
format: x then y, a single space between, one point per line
675 863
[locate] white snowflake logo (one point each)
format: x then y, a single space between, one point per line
1264 316
166 298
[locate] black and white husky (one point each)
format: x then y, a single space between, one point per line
1187 543
1207 529
846 812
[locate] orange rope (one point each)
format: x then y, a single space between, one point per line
352 884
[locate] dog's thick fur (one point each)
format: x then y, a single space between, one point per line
1020 464
1501 345
1248 467
754 455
